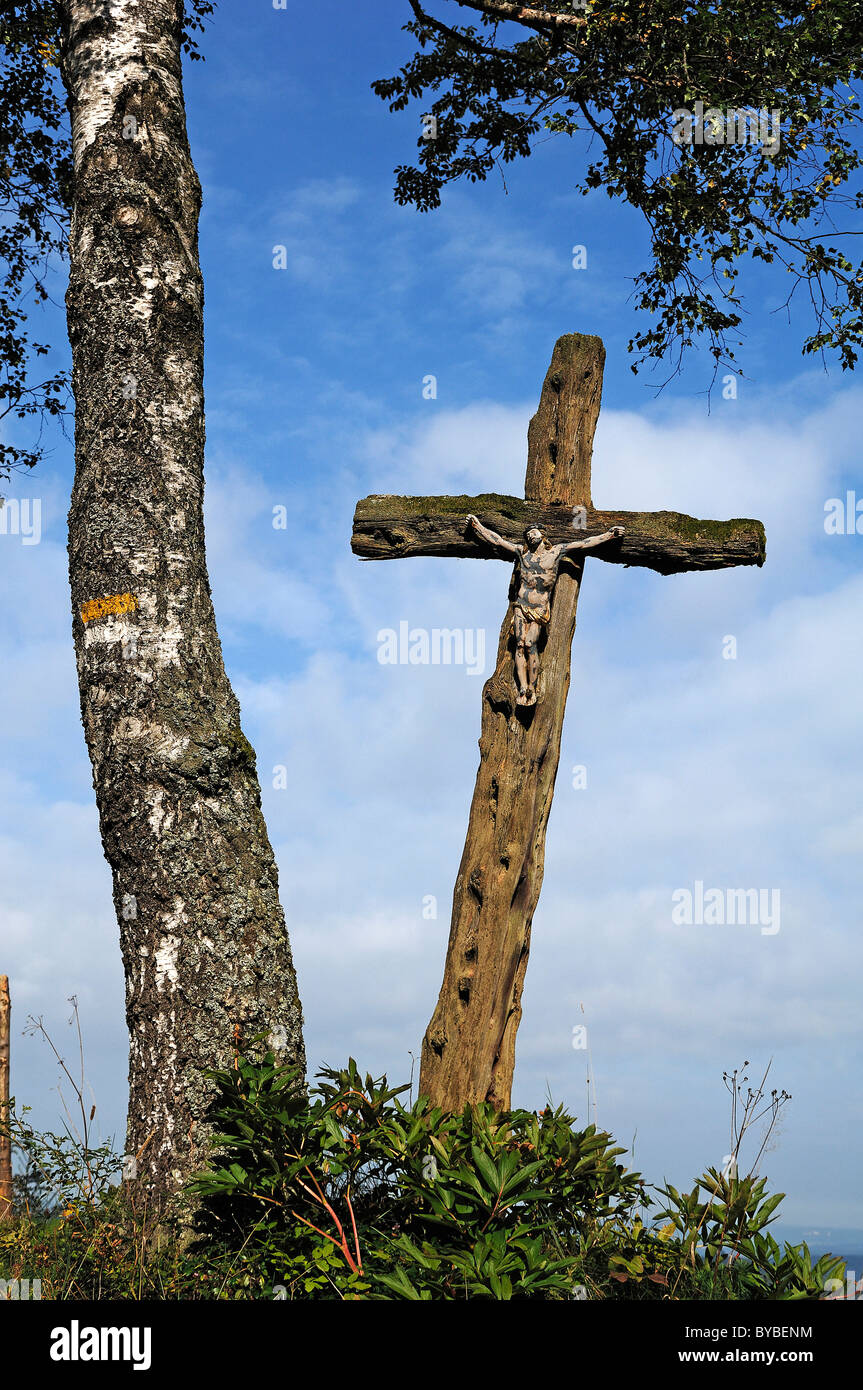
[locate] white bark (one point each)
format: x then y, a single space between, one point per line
208 963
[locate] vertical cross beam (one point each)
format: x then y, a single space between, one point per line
468 1052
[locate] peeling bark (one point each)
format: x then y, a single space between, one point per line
206 952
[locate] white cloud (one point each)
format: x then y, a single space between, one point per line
740 773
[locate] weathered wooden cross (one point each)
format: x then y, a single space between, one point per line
468 1052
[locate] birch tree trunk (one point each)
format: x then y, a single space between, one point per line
206 953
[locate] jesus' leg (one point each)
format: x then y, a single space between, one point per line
526 659
520 655
533 661
521 676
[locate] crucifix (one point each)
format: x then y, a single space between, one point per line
537 567
468 1052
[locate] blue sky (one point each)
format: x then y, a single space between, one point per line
736 773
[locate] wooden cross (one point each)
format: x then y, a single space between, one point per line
468 1052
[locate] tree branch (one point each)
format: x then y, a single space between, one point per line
541 20
457 36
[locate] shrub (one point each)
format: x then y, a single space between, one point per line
345 1191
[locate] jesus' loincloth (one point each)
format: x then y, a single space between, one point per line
531 608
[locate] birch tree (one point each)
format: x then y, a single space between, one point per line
207 958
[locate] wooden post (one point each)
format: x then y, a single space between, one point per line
5 1137
468 1052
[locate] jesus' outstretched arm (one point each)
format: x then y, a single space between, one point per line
593 540
491 536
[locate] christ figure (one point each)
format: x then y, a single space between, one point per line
537 563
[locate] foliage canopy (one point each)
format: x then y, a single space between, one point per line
618 71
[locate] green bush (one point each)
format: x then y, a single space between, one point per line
345 1191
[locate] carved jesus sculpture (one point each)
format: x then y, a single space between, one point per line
538 563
